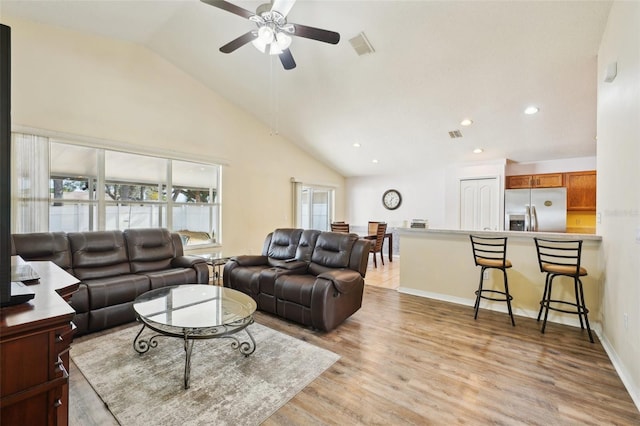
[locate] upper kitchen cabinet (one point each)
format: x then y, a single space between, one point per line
547 180
581 191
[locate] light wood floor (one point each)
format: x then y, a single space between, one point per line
411 360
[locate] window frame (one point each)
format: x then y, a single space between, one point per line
98 203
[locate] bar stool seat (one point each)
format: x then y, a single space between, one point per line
562 258
490 253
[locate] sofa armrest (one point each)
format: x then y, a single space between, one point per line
186 261
344 280
250 260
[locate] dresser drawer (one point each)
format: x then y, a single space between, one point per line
61 339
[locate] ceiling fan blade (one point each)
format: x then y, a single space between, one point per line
239 42
283 7
316 34
287 60
229 7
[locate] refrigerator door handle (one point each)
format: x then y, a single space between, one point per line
534 219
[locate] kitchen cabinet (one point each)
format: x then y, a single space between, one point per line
35 338
546 180
581 190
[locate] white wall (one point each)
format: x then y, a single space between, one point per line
423 197
432 194
75 83
618 195
578 164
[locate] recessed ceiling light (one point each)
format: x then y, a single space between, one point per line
374 161
478 151
466 122
356 145
531 110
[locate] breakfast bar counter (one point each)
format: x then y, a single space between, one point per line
438 263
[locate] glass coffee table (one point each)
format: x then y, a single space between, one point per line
191 312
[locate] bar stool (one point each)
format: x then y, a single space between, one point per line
562 258
491 253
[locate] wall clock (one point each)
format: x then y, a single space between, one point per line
391 199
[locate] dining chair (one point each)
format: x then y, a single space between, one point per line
562 258
376 247
372 228
340 227
491 253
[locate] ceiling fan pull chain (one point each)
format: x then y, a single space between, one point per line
273 98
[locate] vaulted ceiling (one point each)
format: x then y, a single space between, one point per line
435 63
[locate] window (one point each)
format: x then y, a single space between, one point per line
99 189
133 190
194 202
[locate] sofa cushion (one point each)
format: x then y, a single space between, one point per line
51 246
149 249
98 254
332 250
284 243
116 290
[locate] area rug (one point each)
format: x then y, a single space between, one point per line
226 388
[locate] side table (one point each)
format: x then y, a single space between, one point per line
216 260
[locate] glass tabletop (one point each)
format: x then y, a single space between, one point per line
214 258
194 306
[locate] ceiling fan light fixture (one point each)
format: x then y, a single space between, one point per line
274 49
283 40
260 45
265 34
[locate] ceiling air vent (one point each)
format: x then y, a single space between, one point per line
361 45
453 134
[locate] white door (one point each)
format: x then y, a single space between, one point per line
314 207
479 204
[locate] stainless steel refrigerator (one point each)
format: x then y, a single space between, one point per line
537 209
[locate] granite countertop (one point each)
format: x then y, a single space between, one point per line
550 235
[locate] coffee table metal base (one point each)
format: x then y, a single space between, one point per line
189 335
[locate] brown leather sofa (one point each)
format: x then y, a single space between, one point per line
114 268
310 277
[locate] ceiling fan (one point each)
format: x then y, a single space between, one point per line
273 35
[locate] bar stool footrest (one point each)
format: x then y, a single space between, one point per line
579 310
506 298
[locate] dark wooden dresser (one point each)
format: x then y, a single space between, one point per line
35 338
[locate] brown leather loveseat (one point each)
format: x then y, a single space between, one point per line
114 268
307 276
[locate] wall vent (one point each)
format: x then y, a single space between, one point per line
361 44
453 134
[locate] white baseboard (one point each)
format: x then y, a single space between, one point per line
624 375
499 307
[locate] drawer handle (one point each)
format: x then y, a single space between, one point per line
57 403
59 338
59 364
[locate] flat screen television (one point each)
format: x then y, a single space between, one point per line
5 164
